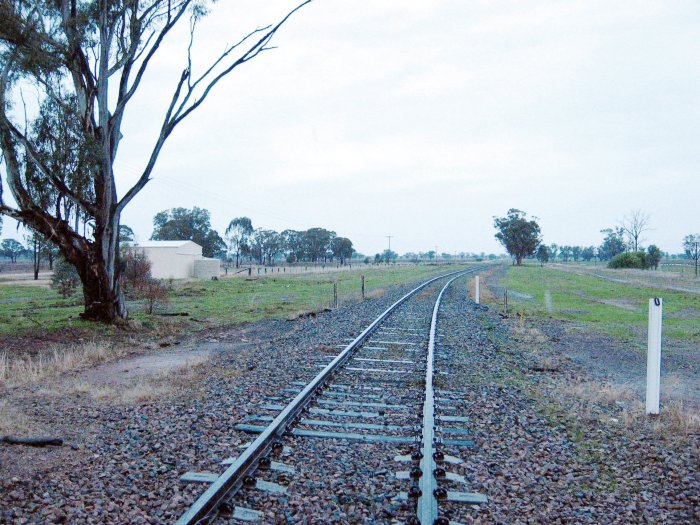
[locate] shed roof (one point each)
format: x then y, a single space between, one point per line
162 244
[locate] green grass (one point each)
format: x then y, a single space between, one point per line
11 291
39 314
617 309
210 303
238 300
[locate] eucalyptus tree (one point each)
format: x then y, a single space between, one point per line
265 245
653 257
517 234
182 224
576 252
342 248
87 60
126 234
691 246
12 249
613 243
542 254
37 248
553 251
237 236
317 242
588 253
294 245
565 253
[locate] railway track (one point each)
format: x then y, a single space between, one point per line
380 391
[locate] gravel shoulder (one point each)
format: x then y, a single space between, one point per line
547 449
556 445
621 363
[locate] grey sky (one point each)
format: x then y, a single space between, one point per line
425 119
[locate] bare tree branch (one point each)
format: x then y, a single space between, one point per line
634 225
174 116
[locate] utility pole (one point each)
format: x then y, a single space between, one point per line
389 237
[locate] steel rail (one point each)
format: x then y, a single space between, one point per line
427 507
233 477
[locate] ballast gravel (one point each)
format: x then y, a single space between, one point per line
535 460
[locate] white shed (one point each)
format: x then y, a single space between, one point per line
178 260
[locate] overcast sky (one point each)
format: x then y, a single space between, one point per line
423 120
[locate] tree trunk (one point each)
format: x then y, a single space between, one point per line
37 258
102 291
97 265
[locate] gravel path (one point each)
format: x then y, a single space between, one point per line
541 456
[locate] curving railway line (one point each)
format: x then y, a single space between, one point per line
383 389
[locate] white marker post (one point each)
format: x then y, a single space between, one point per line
476 289
654 356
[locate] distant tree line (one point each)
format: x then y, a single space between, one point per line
37 249
241 241
621 246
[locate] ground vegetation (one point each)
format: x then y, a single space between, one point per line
86 60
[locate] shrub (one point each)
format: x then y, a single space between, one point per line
153 293
65 278
136 273
629 260
654 255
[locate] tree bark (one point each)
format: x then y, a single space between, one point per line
99 274
36 258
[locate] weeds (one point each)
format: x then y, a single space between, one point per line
31 369
11 420
375 293
140 390
602 393
675 418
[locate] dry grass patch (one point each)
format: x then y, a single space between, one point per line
141 391
545 363
80 387
675 418
486 295
153 387
12 421
166 384
678 418
529 335
144 392
24 369
601 393
375 293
